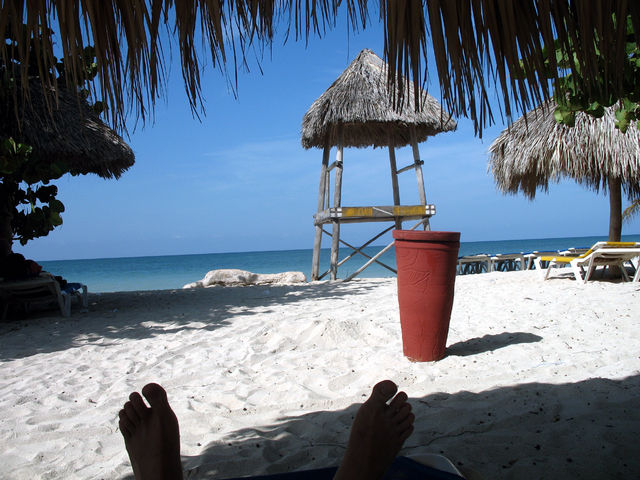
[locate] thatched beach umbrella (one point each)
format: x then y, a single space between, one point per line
536 150
69 132
357 110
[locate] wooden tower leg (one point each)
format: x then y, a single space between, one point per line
418 166
394 182
317 242
337 199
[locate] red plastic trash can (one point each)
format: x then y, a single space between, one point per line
426 263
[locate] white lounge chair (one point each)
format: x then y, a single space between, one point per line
474 264
43 289
600 254
636 264
505 262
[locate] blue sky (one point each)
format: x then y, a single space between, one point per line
239 180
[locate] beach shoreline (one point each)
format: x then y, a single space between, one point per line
174 271
541 379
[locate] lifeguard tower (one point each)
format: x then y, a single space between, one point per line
358 110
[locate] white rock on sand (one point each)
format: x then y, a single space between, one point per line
231 276
541 379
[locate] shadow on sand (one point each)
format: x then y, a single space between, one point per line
585 430
146 314
488 343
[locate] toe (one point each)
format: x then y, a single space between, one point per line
124 430
131 413
127 427
382 392
400 414
138 404
406 434
398 401
155 395
406 422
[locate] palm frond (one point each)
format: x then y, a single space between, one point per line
631 211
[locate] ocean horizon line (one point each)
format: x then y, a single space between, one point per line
376 245
161 272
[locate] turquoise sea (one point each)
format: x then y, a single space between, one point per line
174 271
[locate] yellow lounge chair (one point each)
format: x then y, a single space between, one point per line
600 254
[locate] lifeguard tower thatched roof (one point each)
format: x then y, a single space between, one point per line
70 131
357 110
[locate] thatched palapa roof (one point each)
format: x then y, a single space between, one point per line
537 150
476 44
357 110
76 136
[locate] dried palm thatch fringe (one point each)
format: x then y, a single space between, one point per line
476 43
80 139
537 150
358 111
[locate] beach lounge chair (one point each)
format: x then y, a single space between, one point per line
600 254
507 262
531 258
635 262
473 264
43 289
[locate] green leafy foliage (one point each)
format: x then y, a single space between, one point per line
571 98
24 188
27 200
565 116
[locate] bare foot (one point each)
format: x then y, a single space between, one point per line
151 435
377 434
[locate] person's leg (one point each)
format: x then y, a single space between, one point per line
377 434
151 435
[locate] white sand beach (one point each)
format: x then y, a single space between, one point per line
541 379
